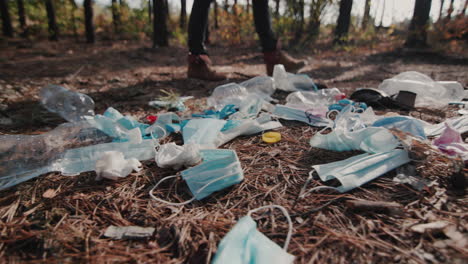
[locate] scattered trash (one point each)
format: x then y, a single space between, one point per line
113 165
271 137
407 174
437 226
172 156
290 82
128 232
5 121
170 101
264 86
220 169
312 117
429 93
245 244
70 105
403 123
151 119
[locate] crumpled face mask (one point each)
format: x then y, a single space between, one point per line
403 123
220 169
308 117
348 119
172 156
358 170
460 124
371 140
113 165
245 244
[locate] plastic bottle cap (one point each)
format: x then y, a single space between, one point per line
271 137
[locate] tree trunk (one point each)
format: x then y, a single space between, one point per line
89 27
450 10
440 10
183 14
277 7
462 13
74 7
150 13
6 20
316 10
160 33
417 29
366 16
382 15
226 5
116 16
22 18
248 7
216 25
299 24
53 28
166 8
344 18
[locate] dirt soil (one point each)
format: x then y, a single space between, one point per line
55 218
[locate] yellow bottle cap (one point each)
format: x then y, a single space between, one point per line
271 137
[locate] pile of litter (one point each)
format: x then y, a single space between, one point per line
198 207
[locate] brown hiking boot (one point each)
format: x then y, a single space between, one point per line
272 58
200 67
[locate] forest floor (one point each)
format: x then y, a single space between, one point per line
63 219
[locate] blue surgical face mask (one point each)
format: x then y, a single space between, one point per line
358 170
460 124
403 123
245 244
203 131
290 113
371 140
220 169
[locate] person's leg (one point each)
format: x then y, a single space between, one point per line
262 21
272 54
197 26
199 64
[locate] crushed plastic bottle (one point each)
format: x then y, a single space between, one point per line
70 105
263 86
231 93
292 82
71 148
324 97
429 93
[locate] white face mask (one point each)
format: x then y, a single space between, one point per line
358 170
172 156
371 140
245 244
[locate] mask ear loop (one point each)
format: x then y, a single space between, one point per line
286 214
164 201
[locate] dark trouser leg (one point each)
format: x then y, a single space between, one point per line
263 25
197 26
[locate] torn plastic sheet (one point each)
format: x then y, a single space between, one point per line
371 140
20 163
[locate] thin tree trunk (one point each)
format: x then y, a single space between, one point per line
89 26
116 16
160 33
344 18
440 10
6 20
382 15
75 30
183 14
216 25
226 5
53 28
248 7
150 13
22 18
277 7
300 24
166 8
366 16
417 30
462 13
450 10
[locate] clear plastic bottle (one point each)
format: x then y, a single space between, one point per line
70 105
231 93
